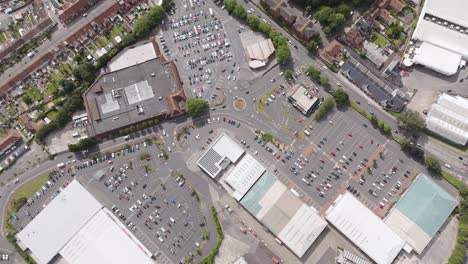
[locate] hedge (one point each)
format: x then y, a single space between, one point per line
210 258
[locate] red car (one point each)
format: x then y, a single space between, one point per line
333 154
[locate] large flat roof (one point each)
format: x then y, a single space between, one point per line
58 222
283 213
133 56
219 155
244 175
105 240
364 228
449 118
430 30
438 59
304 100
420 212
114 97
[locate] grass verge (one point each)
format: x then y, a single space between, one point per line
210 258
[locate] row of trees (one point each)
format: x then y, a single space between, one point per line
326 107
315 74
280 42
134 128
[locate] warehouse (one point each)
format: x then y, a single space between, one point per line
223 152
244 175
421 212
75 227
279 208
444 26
364 228
448 118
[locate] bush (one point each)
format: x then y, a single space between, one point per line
267 137
83 144
145 156
210 258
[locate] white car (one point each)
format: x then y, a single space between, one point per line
447 166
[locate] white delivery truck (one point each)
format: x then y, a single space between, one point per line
211 12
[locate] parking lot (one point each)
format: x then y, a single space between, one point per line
342 152
197 38
281 112
153 201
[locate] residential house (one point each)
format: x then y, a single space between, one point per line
286 14
271 6
364 27
303 27
333 52
353 39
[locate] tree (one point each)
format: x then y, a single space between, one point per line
344 9
230 5
156 14
167 5
282 54
381 124
143 27
27 99
394 31
374 121
240 12
411 121
264 28
195 106
387 129
67 85
335 21
314 73
324 13
341 97
314 43
253 22
325 108
405 142
85 72
324 82
432 164
288 74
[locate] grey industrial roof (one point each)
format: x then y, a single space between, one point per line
114 97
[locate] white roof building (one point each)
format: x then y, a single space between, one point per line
449 118
75 226
104 239
56 224
365 229
133 56
443 24
244 175
221 153
437 59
